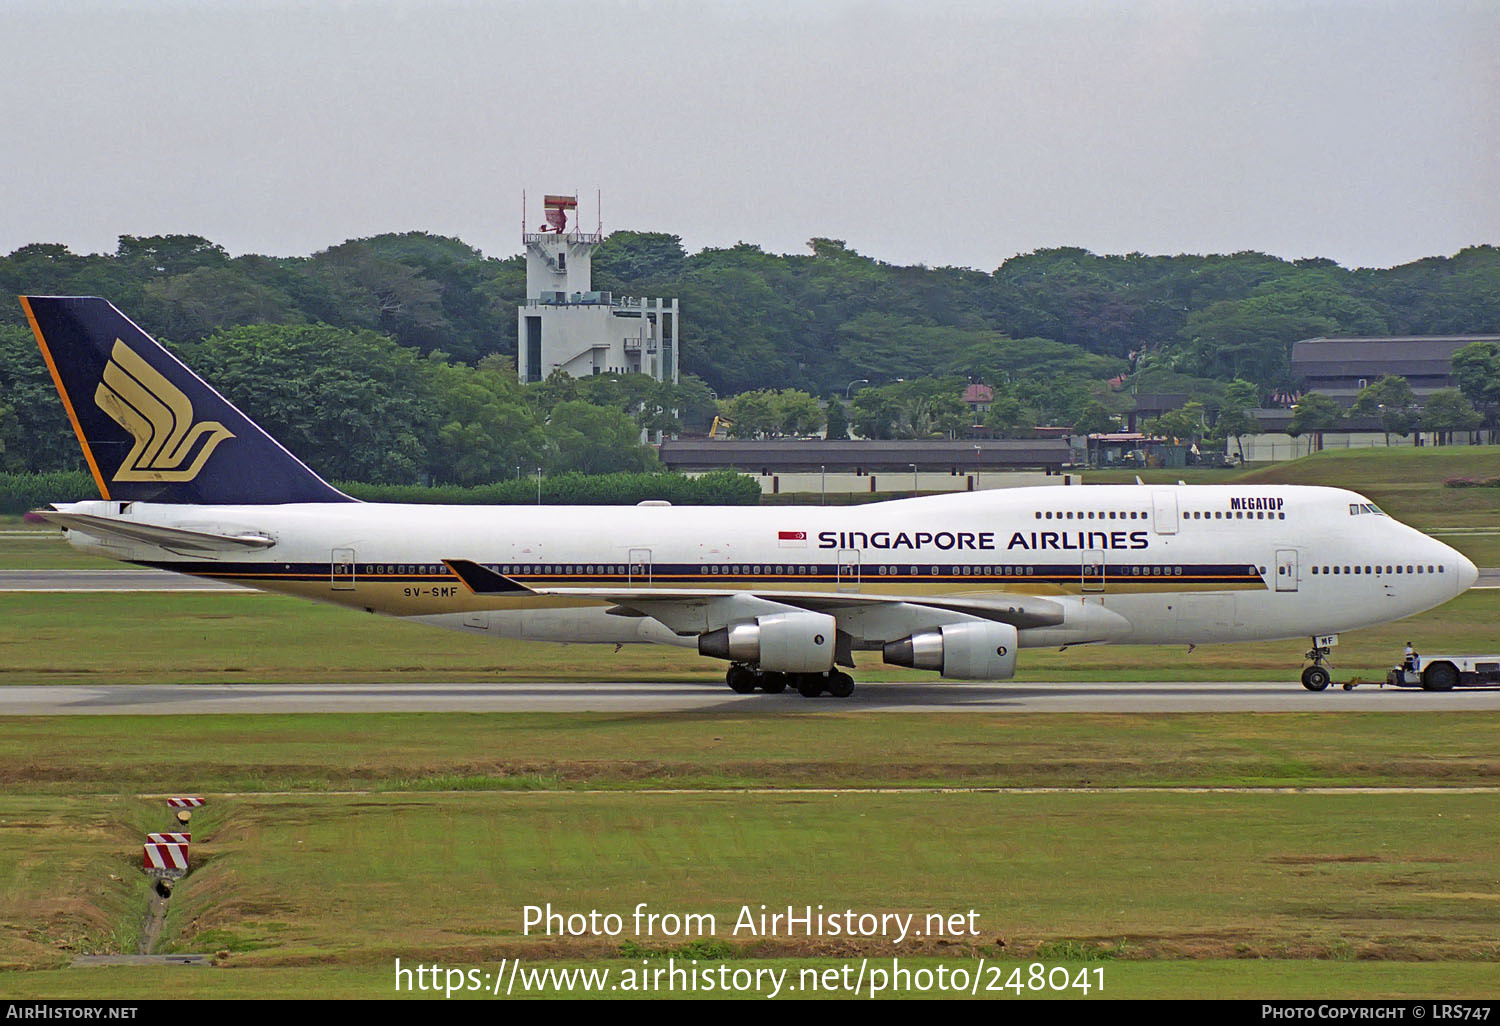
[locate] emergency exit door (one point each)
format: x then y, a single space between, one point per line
1093 570
640 568
1286 569
1165 504
341 569
848 579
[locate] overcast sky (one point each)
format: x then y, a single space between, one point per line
959 133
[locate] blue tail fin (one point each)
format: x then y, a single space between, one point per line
152 430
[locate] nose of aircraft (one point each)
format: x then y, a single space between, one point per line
1468 573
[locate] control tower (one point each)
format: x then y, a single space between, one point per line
565 325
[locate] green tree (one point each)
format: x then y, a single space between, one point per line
797 413
1188 422
1241 339
353 405
375 291
766 413
190 306
594 440
1241 393
1448 410
1314 414
1009 417
837 419
39 436
1391 401
1232 422
1477 368
753 414
1094 419
10 435
170 254
924 408
626 259
485 427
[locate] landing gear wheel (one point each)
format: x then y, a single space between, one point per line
1439 677
741 679
773 683
809 685
1315 678
840 685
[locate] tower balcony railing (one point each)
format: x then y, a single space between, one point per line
633 345
531 238
597 299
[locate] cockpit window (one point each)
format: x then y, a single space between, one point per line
1358 508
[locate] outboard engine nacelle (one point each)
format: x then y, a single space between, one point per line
800 642
966 651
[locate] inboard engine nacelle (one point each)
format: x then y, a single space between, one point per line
800 642
966 651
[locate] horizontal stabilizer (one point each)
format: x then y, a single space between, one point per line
174 538
482 580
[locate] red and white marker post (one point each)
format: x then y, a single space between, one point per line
164 860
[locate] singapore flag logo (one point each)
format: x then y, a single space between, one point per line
792 539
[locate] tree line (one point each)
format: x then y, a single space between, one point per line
399 349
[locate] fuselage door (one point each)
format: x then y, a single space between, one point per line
342 569
1093 570
640 568
848 570
1286 569
1166 512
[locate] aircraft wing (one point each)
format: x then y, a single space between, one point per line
1020 611
173 538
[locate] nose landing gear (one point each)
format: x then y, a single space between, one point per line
1316 677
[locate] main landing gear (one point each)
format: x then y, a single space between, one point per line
744 679
1316 677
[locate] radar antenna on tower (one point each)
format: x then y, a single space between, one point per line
555 209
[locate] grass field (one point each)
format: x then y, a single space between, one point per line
746 748
40 546
1181 894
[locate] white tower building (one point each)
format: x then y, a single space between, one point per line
567 326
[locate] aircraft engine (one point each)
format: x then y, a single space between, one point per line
966 651
799 642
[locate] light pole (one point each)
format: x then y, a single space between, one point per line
538 486
823 483
913 467
856 381
976 467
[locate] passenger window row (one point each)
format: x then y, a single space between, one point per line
1089 515
1239 514
1409 569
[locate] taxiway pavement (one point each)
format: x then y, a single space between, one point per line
1200 697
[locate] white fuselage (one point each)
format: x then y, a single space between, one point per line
1137 564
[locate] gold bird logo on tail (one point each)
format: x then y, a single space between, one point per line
158 416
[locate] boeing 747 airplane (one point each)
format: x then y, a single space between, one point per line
957 584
